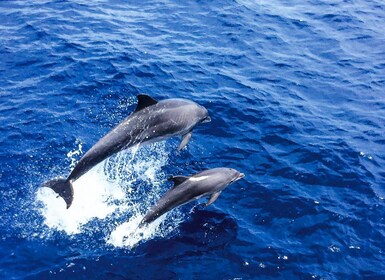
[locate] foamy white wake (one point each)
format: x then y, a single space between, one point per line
122 186
128 234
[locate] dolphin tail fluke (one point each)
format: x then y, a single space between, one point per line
142 223
149 218
63 188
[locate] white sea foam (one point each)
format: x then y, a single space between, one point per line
91 200
114 189
129 235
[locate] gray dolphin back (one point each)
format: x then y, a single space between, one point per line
187 188
150 122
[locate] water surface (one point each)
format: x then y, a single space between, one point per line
295 91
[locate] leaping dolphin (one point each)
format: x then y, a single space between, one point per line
151 121
187 188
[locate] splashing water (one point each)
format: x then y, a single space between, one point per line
129 235
121 187
74 153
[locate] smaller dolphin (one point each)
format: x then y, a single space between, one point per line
187 188
151 121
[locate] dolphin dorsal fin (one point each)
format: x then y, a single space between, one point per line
144 101
178 179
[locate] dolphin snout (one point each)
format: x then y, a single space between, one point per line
238 176
206 120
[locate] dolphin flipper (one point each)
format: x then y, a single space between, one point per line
185 139
213 197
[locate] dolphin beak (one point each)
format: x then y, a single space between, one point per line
241 175
207 119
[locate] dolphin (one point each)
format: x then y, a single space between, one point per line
150 122
187 188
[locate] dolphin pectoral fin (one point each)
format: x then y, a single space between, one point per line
213 197
134 150
186 138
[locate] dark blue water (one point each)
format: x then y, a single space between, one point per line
296 95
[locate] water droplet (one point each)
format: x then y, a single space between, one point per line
334 249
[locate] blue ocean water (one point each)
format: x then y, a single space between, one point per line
295 90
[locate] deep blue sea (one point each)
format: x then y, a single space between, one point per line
296 93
